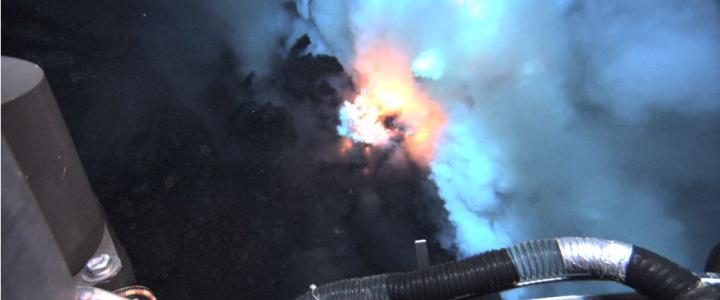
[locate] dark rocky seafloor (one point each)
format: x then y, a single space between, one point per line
219 184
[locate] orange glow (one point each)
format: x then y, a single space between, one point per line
388 89
345 145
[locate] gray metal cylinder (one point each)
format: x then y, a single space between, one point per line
36 133
32 265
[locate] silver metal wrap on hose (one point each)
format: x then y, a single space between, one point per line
538 261
559 259
602 258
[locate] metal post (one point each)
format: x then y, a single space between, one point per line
421 254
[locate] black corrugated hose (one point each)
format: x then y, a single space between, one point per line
532 262
713 261
657 277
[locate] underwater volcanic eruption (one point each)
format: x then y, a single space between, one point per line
317 138
391 108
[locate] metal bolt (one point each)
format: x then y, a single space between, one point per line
101 267
98 264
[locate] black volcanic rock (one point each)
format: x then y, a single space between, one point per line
301 73
300 45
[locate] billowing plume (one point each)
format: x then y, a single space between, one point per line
538 96
562 117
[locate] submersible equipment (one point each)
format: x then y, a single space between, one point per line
56 241
529 263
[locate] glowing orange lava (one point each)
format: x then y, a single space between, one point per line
388 90
345 145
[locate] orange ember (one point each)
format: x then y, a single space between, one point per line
388 91
345 145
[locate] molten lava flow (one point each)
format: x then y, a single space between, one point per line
391 107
